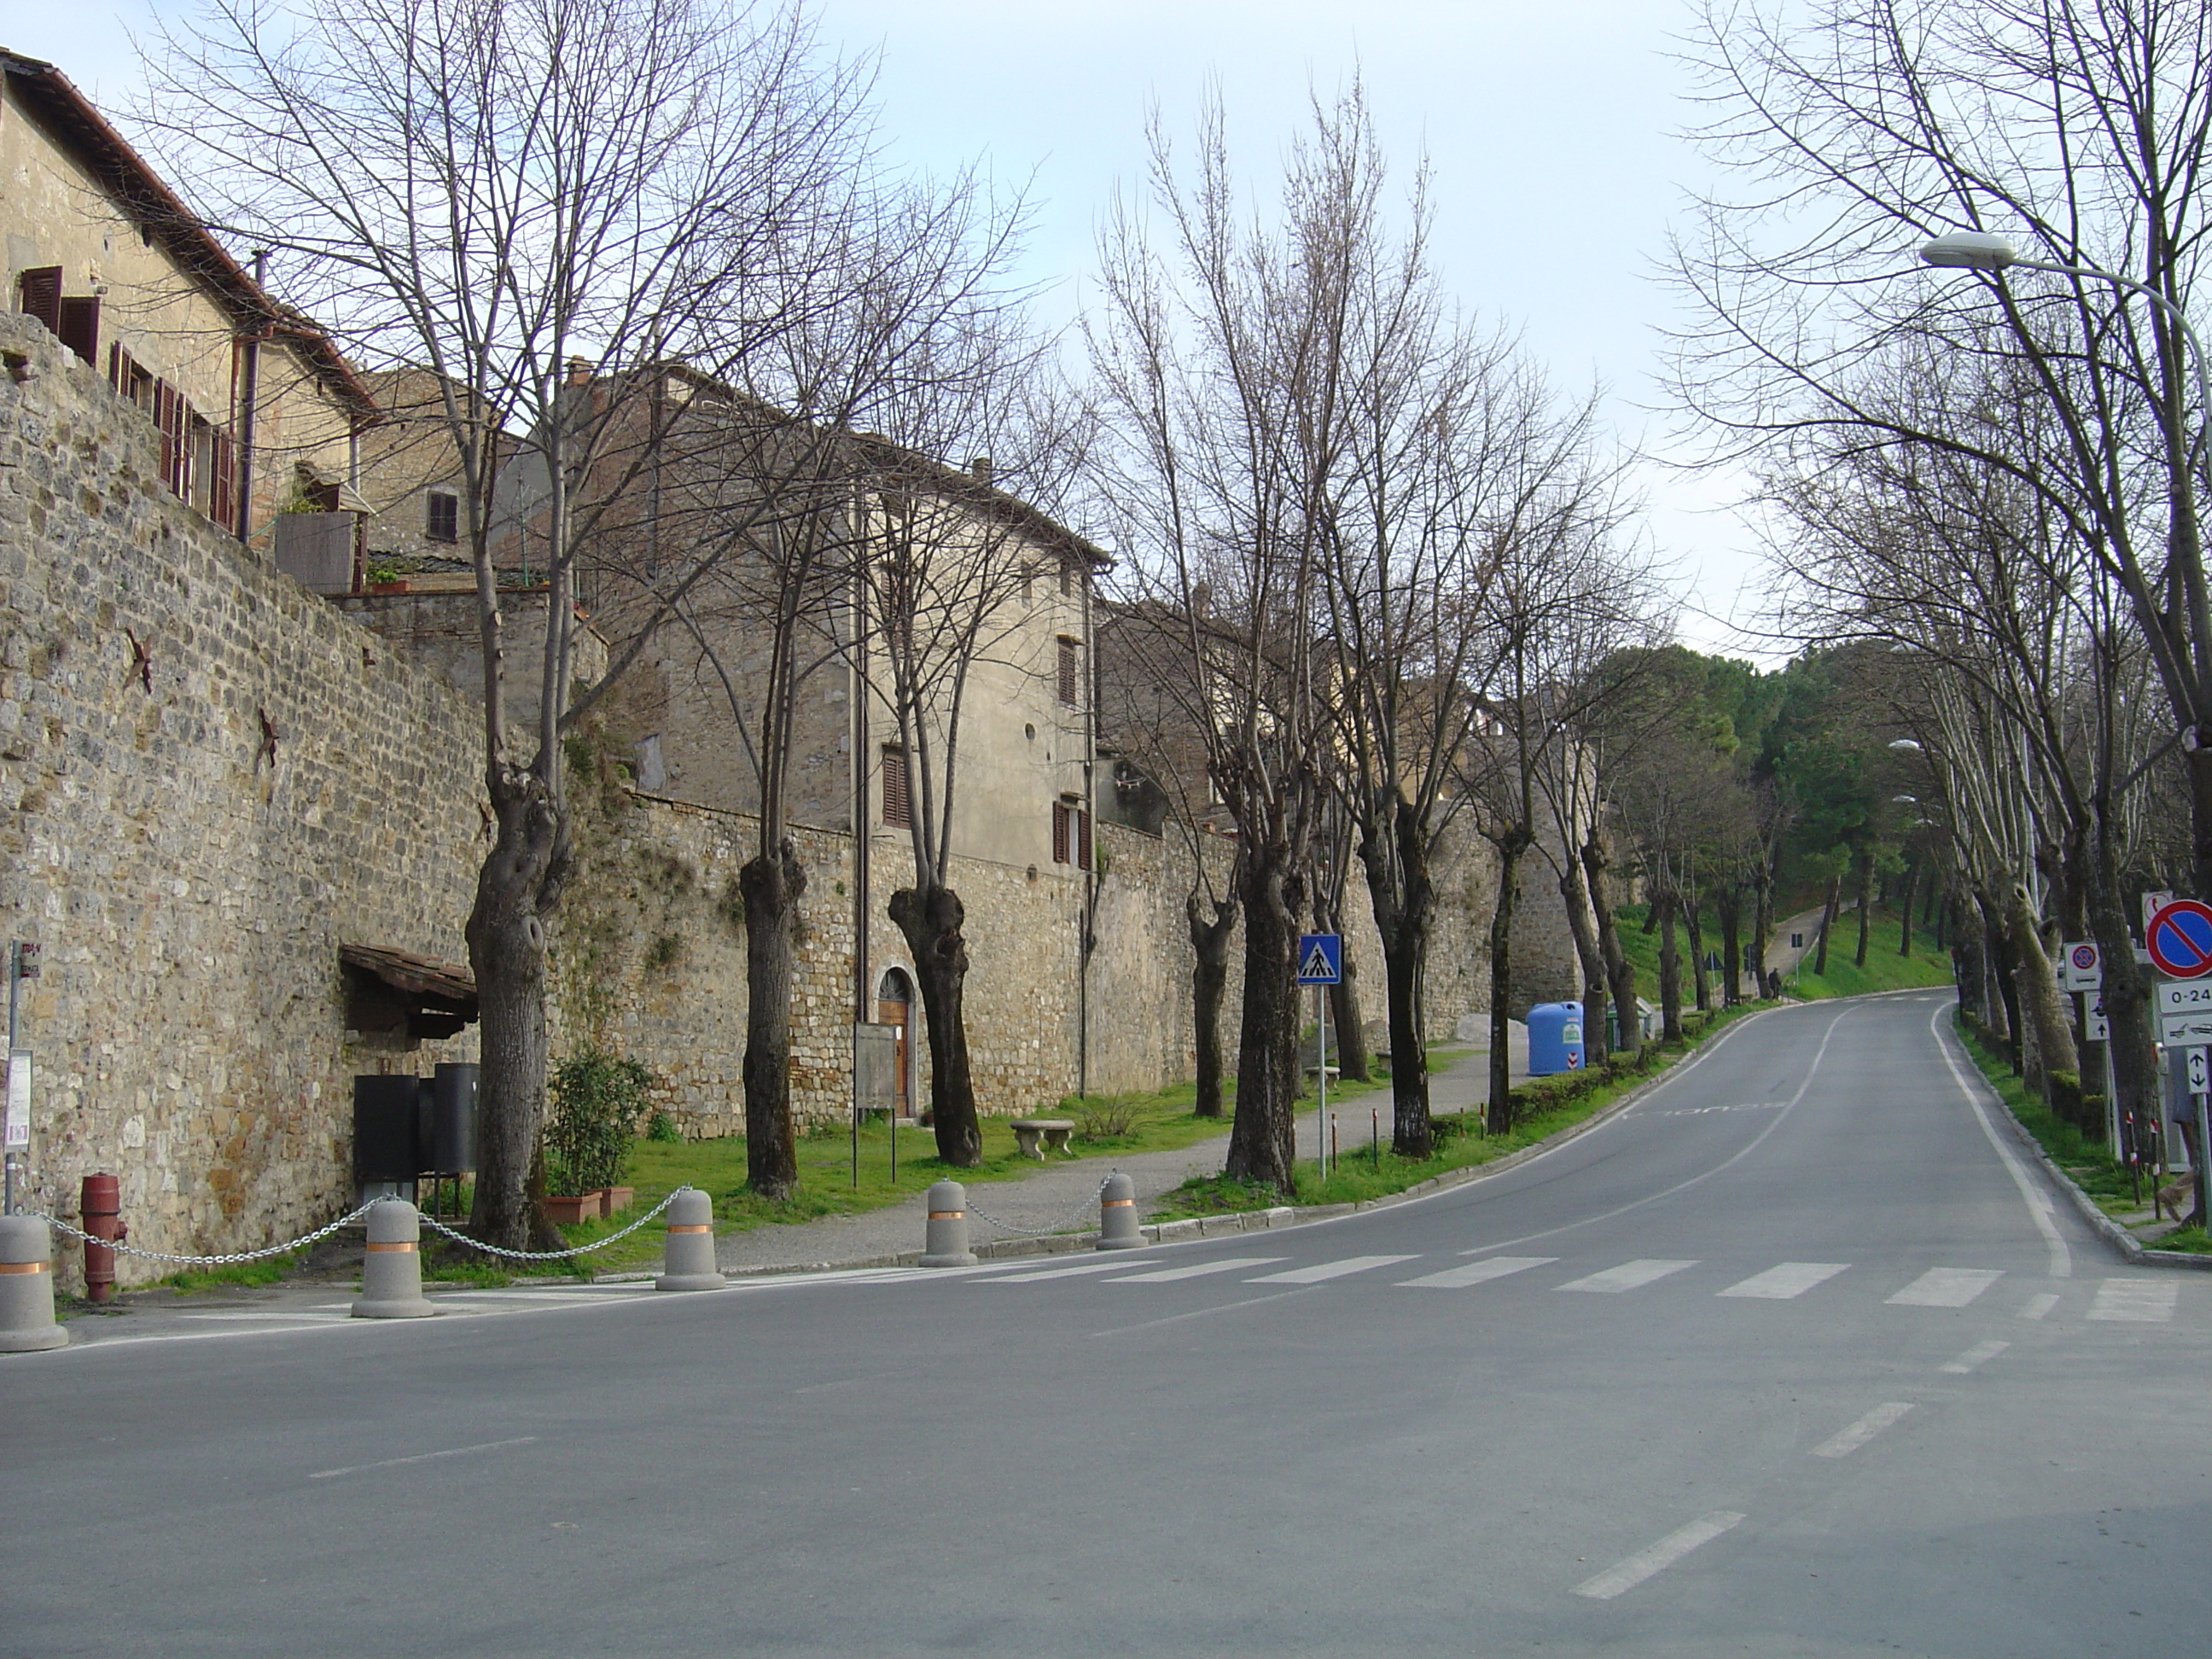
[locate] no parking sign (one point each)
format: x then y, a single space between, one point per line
2179 940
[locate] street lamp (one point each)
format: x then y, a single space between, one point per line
1981 250
1904 743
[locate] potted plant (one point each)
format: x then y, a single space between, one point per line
597 1101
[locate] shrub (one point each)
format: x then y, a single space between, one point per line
662 1128
598 1100
1106 1120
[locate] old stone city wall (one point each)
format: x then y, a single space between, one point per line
192 878
191 834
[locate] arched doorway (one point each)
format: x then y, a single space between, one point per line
895 1007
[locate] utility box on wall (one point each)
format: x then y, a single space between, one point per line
408 1127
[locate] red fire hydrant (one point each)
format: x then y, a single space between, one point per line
102 1204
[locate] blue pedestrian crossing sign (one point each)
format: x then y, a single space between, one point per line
1320 958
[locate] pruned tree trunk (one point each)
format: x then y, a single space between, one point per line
1262 1136
1403 900
1828 913
1353 1062
1664 903
2042 1002
771 884
1510 846
1700 979
1905 911
1729 902
1209 980
1620 972
1972 973
1762 923
519 884
1583 930
1866 906
930 920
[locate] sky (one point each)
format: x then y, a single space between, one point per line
1552 130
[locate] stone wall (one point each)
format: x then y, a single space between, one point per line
192 835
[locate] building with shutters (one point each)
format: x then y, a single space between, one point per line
256 409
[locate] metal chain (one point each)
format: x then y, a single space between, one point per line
232 1259
550 1255
1042 1232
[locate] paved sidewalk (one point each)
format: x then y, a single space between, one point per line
1065 1196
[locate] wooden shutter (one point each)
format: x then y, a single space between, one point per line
1070 672
898 809
1059 828
1081 836
41 292
80 327
222 495
165 401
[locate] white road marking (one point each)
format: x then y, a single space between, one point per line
1700 1111
1791 1278
2037 1307
1226 1265
1845 1442
2037 1199
1945 1287
1628 1276
578 1297
1198 1313
1351 1264
302 1316
1978 1354
1116 1264
1659 1557
1479 1273
422 1457
2149 1301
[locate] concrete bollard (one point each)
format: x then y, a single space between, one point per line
688 1264
392 1272
1117 1215
26 1287
946 1240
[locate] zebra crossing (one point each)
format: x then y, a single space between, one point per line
2136 1299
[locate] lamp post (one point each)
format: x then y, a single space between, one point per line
1981 250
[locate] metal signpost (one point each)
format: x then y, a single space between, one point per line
16 1136
1320 965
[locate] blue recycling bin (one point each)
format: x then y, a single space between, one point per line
1555 1038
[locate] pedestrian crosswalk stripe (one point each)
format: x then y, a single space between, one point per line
1479 1273
1351 1264
1791 1278
1112 1264
1628 1276
1227 1264
2147 1300
1945 1287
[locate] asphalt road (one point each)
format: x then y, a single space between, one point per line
1797 1356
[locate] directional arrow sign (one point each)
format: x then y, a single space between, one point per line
2179 938
1320 958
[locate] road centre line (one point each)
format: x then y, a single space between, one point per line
1979 1354
423 1457
1205 1313
1665 1082
2038 1201
1478 1273
1658 1556
1846 1441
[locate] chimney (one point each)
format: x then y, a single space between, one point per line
580 371
979 468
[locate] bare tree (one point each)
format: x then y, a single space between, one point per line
507 193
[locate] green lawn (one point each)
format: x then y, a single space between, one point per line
1886 970
1544 1106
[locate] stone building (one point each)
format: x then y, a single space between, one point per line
254 408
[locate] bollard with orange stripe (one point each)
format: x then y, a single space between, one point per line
26 1287
944 1240
392 1272
689 1263
1117 1215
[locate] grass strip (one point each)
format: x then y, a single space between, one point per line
2086 1162
1542 1108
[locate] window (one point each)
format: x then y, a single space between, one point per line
79 327
1066 577
898 808
1071 833
1071 671
40 293
442 516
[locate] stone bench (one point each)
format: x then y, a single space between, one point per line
1035 1136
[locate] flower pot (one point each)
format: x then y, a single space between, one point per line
613 1200
568 1211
